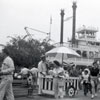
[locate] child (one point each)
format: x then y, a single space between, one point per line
61 78
86 81
30 85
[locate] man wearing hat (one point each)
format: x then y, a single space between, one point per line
42 69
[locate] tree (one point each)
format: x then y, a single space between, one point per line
26 52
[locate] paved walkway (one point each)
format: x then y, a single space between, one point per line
79 96
21 94
51 98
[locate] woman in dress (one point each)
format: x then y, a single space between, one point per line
58 74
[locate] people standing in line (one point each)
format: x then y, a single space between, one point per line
94 72
6 74
58 74
42 71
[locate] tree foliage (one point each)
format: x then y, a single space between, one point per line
26 52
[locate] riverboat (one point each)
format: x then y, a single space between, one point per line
87 45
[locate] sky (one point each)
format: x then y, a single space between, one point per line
15 15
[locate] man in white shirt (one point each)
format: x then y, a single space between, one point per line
6 74
42 69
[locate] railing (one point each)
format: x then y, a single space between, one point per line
48 84
79 46
79 61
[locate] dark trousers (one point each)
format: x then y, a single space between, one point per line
87 87
30 90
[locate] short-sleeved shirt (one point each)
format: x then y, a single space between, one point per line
94 72
41 68
24 71
7 66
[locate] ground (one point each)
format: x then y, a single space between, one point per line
21 94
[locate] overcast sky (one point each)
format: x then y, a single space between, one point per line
17 14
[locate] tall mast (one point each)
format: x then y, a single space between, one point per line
62 21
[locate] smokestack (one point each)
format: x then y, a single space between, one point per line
74 6
62 20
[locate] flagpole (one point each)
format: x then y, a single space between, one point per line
50 27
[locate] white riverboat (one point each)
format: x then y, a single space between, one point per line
86 44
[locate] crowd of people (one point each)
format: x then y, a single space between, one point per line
88 77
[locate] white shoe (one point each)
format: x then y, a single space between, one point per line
92 96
